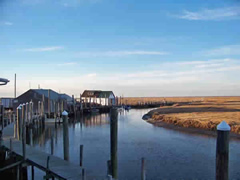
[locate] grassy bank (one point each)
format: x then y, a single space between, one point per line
205 114
181 100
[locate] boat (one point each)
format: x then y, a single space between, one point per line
127 107
120 108
93 110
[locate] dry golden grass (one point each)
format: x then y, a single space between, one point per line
205 114
214 100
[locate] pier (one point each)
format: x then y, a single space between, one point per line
16 155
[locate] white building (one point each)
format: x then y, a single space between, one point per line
99 97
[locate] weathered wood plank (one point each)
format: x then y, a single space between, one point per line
57 166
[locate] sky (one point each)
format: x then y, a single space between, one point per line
136 48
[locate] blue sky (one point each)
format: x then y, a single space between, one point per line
135 48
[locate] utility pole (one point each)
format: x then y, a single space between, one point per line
15 86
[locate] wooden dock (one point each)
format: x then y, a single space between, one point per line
57 167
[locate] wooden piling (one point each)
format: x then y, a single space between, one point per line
15 126
26 112
32 173
65 135
83 174
109 177
49 104
74 108
11 148
52 145
143 171
30 136
32 111
81 104
54 110
39 108
113 139
43 106
18 172
19 122
58 110
81 155
62 106
109 171
23 131
2 115
222 151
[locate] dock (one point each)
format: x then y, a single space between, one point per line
54 166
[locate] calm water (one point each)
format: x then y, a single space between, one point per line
169 154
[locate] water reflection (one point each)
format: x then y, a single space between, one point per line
169 154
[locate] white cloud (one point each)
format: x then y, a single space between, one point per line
67 64
185 69
211 14
210 77
222 51
43 49
204 62
120 53
210 65
6 23
91 75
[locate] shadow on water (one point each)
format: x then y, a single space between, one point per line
169 154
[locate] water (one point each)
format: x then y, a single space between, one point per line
169 154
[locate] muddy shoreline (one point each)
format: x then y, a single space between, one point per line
189 130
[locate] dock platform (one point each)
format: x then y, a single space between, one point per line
57 167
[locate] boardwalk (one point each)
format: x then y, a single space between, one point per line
58 167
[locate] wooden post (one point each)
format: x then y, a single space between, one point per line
32 172
55 110
2 115
81 155
109 171
15 126
222 151
83 174
114 136
49 104
58 108
90 103
30 111
65 135
30 136
62 108
109 177
26 112
23 131
43 105
81 105
73 102
39 108
19 122
11 148
18 173
52 145
143 171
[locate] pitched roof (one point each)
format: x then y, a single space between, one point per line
53 95
97 93
104 94
65 96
